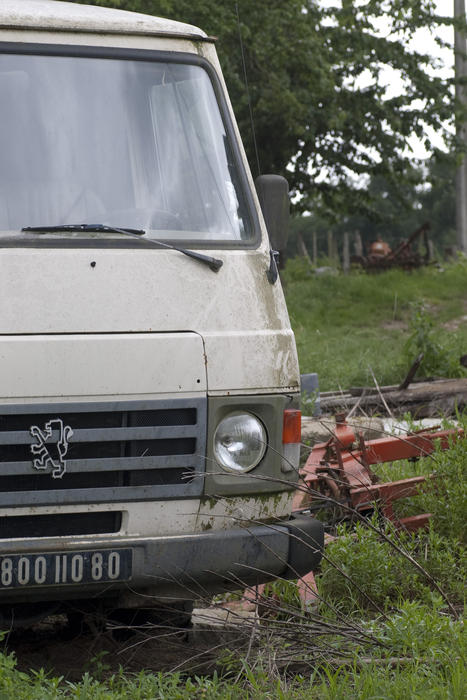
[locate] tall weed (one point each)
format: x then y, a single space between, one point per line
362 566
446 496
440 354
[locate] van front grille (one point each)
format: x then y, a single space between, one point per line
102 452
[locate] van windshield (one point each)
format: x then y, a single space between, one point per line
127 143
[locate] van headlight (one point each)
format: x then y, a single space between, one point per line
239 442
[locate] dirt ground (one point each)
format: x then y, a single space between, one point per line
53 646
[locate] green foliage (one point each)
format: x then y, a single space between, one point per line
429 195
345 325
431 648
420 631
380 581
364 572
304 62
143 686
437 201
308 402
98 665
446 497
432 668
440 355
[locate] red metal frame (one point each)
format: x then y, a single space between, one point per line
341 468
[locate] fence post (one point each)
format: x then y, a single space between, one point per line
346 254
330 246
358 245
302 249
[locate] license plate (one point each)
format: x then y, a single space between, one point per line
51 569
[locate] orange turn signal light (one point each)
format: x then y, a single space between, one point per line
292 430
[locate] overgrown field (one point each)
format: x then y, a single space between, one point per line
348 327
388 621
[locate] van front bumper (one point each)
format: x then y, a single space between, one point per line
182 567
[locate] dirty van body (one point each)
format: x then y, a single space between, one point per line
147 365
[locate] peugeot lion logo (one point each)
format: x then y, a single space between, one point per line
44 459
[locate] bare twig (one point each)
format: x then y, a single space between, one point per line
380 394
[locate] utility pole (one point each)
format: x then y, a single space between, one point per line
460 48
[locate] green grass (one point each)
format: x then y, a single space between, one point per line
431 666
346 326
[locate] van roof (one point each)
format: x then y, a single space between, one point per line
67 16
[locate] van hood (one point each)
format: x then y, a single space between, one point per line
101 365
241 319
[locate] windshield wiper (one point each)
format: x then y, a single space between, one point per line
213 263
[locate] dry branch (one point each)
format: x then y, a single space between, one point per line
423 399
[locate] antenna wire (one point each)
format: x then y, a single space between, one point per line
247 90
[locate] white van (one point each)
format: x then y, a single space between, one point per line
149 384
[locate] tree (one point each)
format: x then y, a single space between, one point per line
438 201
392 217
317 78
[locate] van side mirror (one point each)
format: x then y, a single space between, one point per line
273 195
